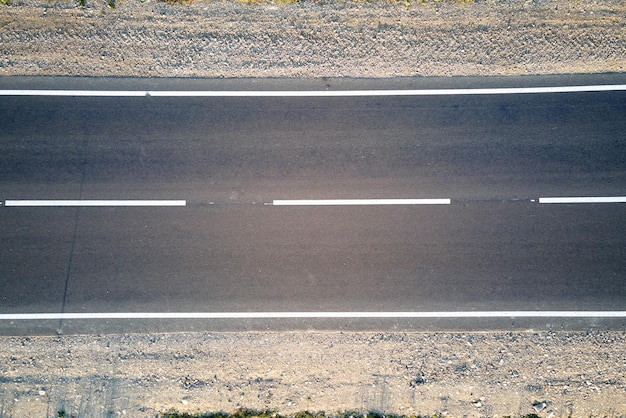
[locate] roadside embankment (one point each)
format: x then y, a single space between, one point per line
556 374
228 38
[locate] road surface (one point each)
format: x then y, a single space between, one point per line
290 204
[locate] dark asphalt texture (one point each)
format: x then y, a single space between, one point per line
493 248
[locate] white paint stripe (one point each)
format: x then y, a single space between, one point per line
331 315
614 199
75 93
348 202
420 92
315 93
83 203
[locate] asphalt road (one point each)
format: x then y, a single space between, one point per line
493 248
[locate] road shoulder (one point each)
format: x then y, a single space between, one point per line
459 374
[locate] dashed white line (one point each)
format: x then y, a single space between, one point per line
313 315
294 202
84 203
352 202
613 199
75 93
316 93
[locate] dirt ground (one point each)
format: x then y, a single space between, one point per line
457 374
333 38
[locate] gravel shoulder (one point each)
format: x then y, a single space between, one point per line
459 374
227 38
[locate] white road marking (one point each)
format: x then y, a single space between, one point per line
75 93
315 93
83 203
349 202
613 199
314 315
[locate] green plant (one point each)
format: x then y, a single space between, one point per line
307 414
253 413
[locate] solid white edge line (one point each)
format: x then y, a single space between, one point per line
613 199
314 315
350 202
83 203
409 92
316 93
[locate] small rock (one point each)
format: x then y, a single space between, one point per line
477 403
418 380
42 393
539 406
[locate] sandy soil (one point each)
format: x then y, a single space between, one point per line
338 38
458 374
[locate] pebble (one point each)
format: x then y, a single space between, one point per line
539 406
